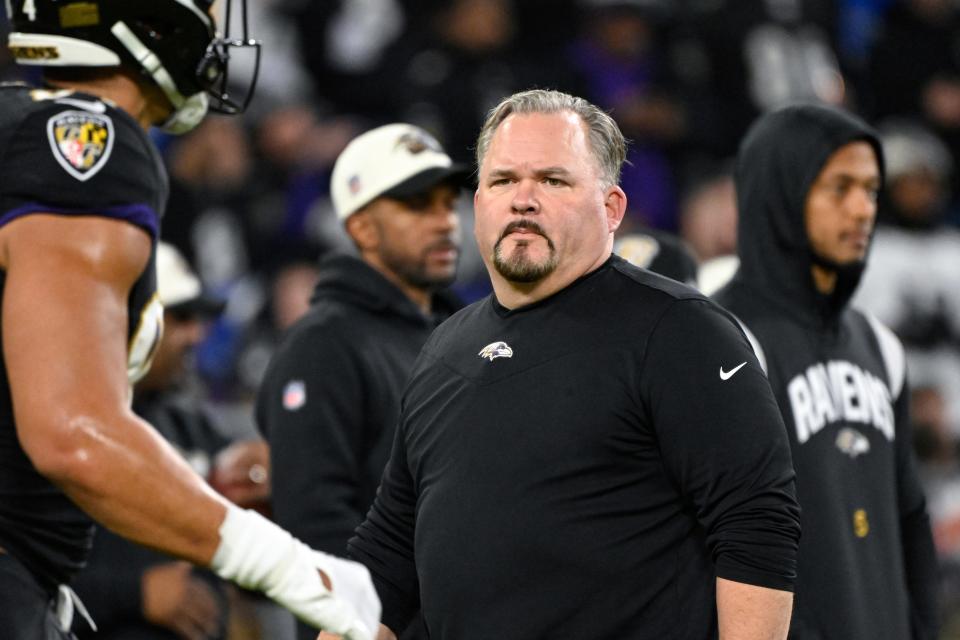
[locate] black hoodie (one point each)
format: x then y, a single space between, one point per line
866 564
330 400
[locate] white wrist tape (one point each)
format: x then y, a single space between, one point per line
257 554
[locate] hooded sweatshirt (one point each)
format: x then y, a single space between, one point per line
330 399
866 565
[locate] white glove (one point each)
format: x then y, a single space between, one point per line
257 554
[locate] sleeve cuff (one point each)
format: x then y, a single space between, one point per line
757 578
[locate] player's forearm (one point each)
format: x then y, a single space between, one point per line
749 612
125 476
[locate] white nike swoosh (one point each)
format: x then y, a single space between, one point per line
726 375
86 105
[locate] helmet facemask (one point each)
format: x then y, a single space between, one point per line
213 70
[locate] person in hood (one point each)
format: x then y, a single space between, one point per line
807 181
330 398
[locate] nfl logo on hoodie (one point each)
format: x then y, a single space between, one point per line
294 395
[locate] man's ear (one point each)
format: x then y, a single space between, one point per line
362 228
615 203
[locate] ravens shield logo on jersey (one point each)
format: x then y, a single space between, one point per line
81 142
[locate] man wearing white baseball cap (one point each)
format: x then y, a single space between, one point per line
330 398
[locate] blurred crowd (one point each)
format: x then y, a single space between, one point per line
250 205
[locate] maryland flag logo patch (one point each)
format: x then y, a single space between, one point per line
81 142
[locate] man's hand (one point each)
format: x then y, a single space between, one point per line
384 634
241 473
175 599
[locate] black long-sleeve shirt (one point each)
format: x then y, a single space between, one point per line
584 466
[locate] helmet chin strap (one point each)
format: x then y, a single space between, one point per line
188 111
188 115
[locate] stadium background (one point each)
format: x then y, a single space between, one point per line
684 78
